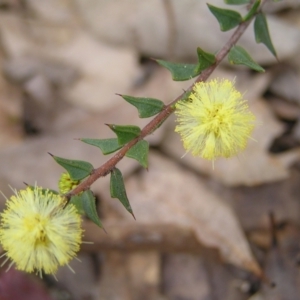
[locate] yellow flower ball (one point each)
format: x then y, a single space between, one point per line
38 233
215 121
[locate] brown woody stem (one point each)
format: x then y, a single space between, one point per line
160 118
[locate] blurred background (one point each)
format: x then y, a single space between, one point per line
201 233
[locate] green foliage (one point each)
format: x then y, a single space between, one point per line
125 133
77 202
262 33
85 203
77 169
107 146
237 2
89 206
186 96
147 107
239 56
253 10
227 18
117 189
140 153
205 59
180 72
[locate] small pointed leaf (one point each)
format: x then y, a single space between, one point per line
262 33
180 72
253 10
77 202
125 133
227 18
186 96
107 146
237 2
239 56
89 207
140 153
117 189
77 169
147 107
205 59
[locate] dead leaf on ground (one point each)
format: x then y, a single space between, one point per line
171 195
130 276
148 27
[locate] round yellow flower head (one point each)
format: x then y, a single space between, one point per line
37 232
215 121
66 184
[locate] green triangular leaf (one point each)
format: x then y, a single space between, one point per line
117 189
77 201
205 59
186 96
180 72
89 207
77 169
262 33
107 146
227 18
125 133
253 10
238 56
140 153
237 2
147 107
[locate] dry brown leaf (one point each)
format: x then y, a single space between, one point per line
10 113
285 110
83 283
201 277
133 275
282 272
168 194
185 277
286 84
146 26
104 69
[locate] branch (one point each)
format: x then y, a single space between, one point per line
129 237
160 118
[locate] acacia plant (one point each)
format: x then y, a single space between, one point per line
213 120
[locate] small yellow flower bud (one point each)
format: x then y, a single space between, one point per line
66 184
